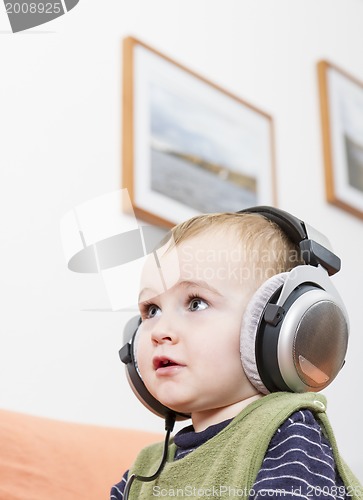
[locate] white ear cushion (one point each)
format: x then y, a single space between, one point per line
250 322
136 341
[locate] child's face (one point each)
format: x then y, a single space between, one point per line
188 345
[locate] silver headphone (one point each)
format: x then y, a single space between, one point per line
295 328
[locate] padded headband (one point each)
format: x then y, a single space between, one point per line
315 248
293 227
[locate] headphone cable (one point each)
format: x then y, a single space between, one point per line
169 426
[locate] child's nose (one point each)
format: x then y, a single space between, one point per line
161 338
164 332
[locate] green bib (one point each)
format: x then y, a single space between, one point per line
227 465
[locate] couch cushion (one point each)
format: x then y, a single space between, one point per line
43 459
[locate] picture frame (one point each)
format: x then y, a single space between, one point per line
341 104
189 146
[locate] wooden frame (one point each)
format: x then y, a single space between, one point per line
188 145
341 100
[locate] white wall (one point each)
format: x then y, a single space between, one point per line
60 134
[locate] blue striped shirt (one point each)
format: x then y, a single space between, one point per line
298 463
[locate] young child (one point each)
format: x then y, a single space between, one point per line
193 355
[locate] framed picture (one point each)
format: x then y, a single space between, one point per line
189 147
341 98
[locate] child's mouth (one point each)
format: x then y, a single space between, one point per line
163 363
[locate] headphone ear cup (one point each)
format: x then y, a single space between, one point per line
310 343
134 345
250 325
294 333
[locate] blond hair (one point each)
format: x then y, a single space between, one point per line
266 248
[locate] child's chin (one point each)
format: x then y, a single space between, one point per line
176 406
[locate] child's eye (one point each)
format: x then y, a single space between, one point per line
153 311
149 311
197 304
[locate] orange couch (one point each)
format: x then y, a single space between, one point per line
43 459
